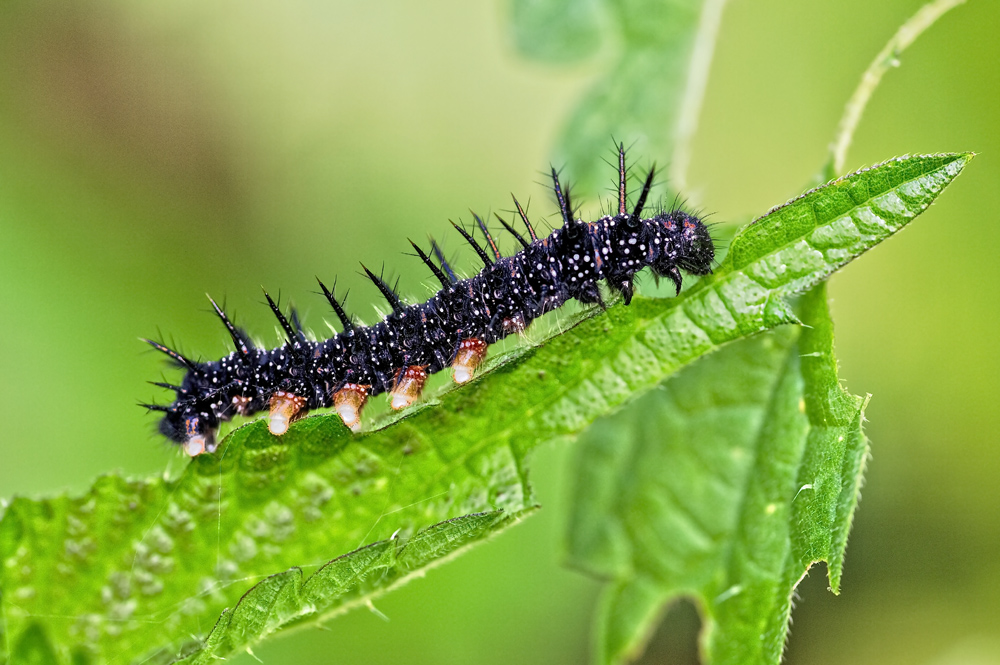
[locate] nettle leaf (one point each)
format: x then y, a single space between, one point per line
141 570
726 485
638 94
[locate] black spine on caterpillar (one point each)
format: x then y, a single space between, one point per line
452 328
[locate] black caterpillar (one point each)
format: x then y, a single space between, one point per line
453 328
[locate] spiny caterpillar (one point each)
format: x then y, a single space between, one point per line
453 328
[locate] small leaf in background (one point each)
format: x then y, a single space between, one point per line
637 99
725 485
139 569
558 31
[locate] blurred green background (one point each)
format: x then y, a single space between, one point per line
150 152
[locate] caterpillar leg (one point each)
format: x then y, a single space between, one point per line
348 402
409 384
471 353
285 408
195 445
514 324
197 440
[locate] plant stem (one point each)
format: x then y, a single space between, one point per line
888 57
694 90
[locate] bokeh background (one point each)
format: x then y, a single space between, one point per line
150 152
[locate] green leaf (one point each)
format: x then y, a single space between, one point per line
558 31
637 98
282 599
726 486
140 569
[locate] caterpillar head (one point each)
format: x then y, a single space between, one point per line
696 248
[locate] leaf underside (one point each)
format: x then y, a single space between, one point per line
140 570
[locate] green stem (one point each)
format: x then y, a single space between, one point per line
694 90
888 57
